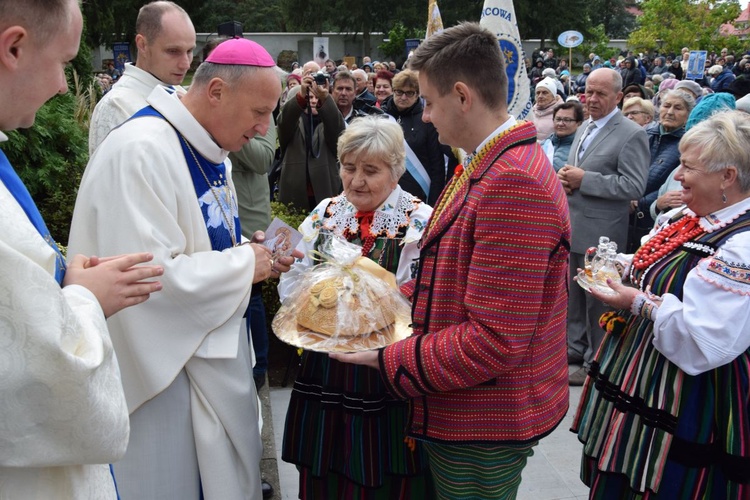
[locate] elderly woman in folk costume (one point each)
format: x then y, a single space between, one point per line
664 411
343 430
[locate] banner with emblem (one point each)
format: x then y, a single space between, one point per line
499 17
434 21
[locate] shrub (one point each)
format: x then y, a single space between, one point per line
50 158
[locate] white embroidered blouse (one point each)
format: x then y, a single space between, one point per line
337 214
710 326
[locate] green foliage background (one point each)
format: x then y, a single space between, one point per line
673 24
50 157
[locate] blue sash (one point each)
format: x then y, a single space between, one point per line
414 166
417 170
216 225
10 178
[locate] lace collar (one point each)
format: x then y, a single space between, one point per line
720 218
391 216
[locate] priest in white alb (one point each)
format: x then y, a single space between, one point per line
160 182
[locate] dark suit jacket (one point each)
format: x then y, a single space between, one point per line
616 164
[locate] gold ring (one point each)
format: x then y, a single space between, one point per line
272 264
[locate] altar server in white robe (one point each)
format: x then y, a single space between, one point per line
165 39
160 182
63 416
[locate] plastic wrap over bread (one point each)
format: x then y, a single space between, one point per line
346 303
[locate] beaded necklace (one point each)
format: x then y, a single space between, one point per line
667 240
461 176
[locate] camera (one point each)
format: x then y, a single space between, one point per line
321 78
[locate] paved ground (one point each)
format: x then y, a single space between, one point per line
552 473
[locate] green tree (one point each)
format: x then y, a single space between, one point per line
395 47
597 42
50 158
113 21
365 17
307 15
673 24
546 20
612 16
455 11
255 15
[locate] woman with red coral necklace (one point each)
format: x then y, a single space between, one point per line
664 411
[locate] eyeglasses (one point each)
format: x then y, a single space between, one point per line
407 93
566 121
631 113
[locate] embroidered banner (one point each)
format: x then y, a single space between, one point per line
499 17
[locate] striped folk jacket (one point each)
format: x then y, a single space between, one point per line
487 361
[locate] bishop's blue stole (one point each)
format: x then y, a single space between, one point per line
210 183
10 178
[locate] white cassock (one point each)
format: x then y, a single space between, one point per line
61 400
127 96
183 354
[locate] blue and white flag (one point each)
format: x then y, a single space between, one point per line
499 17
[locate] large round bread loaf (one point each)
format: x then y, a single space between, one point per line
364 312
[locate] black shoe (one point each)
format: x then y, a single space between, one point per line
260 381
267 489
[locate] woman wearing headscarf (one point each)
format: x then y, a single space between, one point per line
664 410
541 113
535 75
676 69
579 83
343 430
292 80
666 85
659 66
630 73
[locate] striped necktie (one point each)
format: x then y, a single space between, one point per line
579 150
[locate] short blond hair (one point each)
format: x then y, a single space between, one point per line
645 105
722 141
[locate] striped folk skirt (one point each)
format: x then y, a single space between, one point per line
346 435
651 431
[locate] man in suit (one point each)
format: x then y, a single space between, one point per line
607 166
